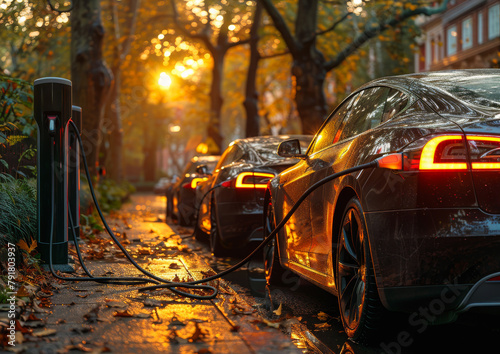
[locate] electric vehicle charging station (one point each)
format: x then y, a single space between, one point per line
52 112
74 172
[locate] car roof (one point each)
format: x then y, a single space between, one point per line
425 81
205 158
269 139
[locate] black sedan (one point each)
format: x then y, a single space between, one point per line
181 196
231 209
422 237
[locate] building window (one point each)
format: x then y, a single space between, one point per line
467 33
451 37
479 28
494 21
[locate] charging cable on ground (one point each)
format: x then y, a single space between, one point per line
197 284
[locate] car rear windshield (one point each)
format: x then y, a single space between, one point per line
482 90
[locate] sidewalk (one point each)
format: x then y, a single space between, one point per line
91 317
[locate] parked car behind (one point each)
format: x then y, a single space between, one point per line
426 235
162 185
181 197
232 214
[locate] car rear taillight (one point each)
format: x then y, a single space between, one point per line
448 153
485 152
249 180
497 278
194 182
253 180
444 153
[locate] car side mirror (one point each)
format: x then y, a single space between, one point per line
290 148
202 170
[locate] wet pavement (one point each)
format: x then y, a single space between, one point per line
246 316
91 317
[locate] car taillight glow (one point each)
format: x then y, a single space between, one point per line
253 180
494 278
196 181
440 153
485 152
448 152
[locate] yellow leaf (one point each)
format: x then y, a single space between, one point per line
278 311
24 246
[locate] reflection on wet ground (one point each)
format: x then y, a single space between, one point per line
310 316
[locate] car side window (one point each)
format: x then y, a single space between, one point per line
326 136
366 112
396 102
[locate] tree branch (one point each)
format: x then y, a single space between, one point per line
134 7
334 25
293 45
203 35
369 33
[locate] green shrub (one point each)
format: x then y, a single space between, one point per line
110 195
18 210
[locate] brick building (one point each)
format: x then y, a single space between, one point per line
466 35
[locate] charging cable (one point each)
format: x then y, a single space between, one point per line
197 284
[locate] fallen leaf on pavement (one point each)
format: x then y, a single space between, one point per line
273 324
125 313
323 316
44 332
115 303
322 325
277 312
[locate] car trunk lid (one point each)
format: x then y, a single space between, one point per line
483 139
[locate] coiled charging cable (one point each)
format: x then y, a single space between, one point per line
197 284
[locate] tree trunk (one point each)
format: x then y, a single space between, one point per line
150 148
251 94
114 130
310 98
308 69
90 76
216 100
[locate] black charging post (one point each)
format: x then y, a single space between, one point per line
74 172
52 112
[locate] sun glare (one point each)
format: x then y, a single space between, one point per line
164 80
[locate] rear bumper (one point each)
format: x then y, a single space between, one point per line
435 257
443 303
186 204
238 221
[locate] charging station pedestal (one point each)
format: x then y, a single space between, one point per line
52 111
74 174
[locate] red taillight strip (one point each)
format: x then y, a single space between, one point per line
197 180
484 165
429 150
494 279
241 184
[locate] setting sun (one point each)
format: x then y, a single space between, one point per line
164 80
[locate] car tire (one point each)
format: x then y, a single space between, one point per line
272 267
216 246
360 308
199 235
169 206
